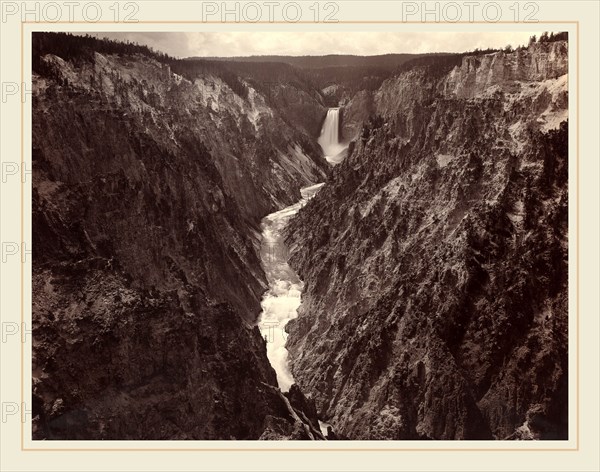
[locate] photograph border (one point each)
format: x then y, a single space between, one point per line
573 415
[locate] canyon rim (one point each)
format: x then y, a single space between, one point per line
240 243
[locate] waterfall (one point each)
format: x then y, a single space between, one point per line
329 141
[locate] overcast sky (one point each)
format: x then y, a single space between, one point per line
318 43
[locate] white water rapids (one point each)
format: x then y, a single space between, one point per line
280 303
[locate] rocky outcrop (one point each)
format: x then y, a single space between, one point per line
148 189
435 258
249 137
354 113
479 75
115 362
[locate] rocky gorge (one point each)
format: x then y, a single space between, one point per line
148 192
435 257
432 261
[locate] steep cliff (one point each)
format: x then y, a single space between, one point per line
435 257
148 190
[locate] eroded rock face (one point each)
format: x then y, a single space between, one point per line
355 113
478 75
435 259
148 189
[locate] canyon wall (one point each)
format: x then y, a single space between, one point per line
148 190
435 257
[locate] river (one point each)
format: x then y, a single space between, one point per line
281 301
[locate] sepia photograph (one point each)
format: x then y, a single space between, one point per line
300 235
